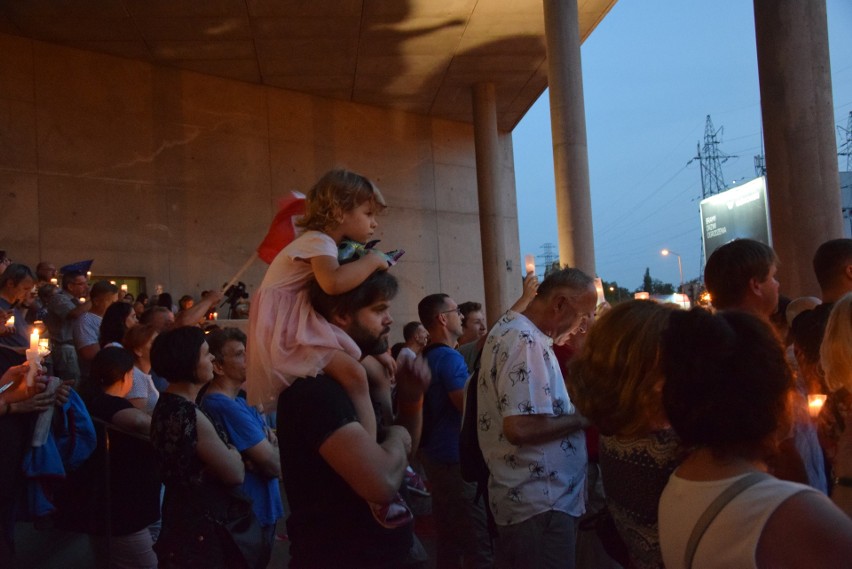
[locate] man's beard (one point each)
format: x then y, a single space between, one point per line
370 345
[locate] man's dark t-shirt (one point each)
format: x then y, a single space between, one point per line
329 524
134 480
809 328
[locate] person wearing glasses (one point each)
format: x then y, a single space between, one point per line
459 519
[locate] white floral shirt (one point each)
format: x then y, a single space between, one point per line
519 375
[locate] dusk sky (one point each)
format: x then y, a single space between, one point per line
652 71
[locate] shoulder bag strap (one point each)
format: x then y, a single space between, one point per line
713 510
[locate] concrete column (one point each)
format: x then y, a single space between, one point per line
491 212
803 187
568 125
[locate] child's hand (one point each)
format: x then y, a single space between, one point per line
378 259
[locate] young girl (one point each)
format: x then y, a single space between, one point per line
288 339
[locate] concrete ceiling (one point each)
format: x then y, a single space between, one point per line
420 56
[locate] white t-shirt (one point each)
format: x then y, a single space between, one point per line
731 538
519 375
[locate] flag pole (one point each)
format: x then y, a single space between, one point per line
243 269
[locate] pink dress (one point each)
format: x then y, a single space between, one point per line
287 338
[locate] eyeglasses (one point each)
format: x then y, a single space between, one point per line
457 310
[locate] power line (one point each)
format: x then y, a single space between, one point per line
710 160
846 145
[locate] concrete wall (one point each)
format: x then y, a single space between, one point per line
173 175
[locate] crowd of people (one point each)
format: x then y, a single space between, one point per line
697 431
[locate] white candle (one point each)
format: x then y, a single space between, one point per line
215 316
88 274
815 403
529 263
10 322
34 340
54 281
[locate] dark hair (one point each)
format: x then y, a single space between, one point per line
379 286
102 288
217 339
572 278
70 276
15 273
108 367
396 348
164 299
831 259
113 326
137 337
184 299
142 297
726 382
430 306
410 329
175 353
468 307
730 268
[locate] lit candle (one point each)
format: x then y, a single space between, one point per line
34 340
10 322
88 274
82 299
54 281
112 282
529 263
124 288
815 403
215 316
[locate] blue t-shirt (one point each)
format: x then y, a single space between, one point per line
441 419
245 428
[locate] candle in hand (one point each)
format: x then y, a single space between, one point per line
815 403
529 263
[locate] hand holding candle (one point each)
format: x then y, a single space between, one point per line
529 263
815 403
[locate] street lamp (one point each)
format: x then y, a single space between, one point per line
666 253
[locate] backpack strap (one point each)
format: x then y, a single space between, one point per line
713 510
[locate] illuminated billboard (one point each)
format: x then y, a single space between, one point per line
737 213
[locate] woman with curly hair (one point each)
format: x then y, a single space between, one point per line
616 382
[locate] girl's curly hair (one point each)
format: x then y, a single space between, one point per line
337 192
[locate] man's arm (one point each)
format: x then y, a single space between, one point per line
536 429
412 381
373 471
192 316
265 459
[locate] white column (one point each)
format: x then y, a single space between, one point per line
568 124
802 183
491 212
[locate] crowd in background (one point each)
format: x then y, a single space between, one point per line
606 433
